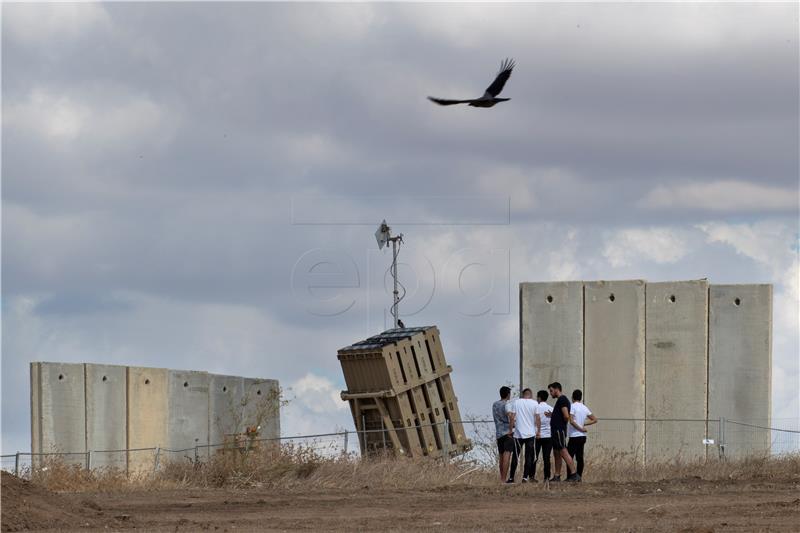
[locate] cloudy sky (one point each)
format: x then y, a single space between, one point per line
196 185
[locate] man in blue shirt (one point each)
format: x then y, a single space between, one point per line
502 429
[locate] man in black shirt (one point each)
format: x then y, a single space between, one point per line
558 433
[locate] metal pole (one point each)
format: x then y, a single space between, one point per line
88 460
196 457
394 275
16 464
155 462
345 442
445 440
364 435
383 435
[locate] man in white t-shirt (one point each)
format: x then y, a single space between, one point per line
579 417
522 422
543 444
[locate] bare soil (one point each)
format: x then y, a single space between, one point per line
690 505
25 506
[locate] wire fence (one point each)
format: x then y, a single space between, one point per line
642 439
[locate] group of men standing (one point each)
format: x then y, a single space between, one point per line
531 428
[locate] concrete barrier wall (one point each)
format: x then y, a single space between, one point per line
676 368
58 419
551 334
106 426
672 350
188 420
262 406
740 369
614 360
147 414
225 409
80 407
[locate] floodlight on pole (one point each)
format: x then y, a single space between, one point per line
384 235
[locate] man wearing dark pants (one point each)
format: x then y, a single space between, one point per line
505 442
522 415
580 417
543 444
558 433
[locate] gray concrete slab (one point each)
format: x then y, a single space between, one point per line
107 407
59 419
225 409
36 414
614 360
188 420
147 414
551 334
262 406
740 364
676 369
106 414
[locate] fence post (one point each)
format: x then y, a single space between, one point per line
345 442
155 462
88 460
383 435
16 464
722 437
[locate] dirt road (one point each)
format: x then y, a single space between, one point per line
685 505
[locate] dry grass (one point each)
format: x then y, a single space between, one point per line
298 468
290 467
55 474
619 468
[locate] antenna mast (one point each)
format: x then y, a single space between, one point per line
384 236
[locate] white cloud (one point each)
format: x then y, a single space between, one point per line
315 149
660 245
336 21
511 182
689 27
315 406
55 117
317 394
61 118
721 196
564 263
40 22
762 241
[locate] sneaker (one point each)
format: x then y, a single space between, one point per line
509 481
555 479
525 480
574 478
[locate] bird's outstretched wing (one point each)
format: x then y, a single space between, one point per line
444 101
502 77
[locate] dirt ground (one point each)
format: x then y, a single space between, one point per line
683 505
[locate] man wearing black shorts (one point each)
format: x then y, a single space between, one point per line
558 433
502 429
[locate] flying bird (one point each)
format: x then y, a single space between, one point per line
489 98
